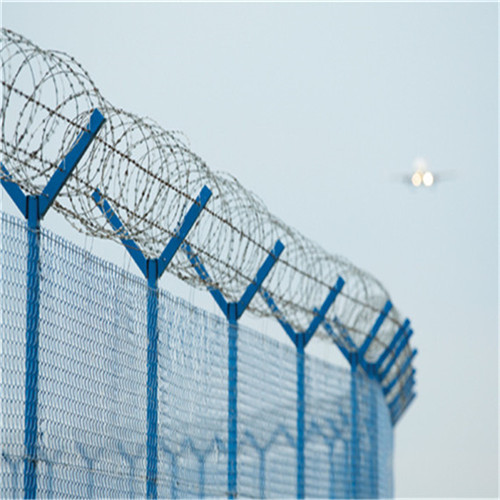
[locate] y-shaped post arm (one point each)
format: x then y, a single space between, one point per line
233 311
34 208
152 269
301 340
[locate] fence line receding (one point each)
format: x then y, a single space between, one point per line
115 175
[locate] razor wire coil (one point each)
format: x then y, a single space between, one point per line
150 176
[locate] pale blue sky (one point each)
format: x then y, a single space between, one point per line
311 106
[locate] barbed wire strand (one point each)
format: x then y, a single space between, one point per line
150 177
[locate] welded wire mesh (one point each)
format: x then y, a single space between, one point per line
328 431
92 426
13 249
92 363
192 386
267 415
150 177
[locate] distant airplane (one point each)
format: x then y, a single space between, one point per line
422 176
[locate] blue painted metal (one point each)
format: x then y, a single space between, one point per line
402 395
153 270
345 334
233 311
232 415
397 411
181 233
372 425
262 474
320 316
354 432
301 340
152 360
251 289
201 476
376 327
14 191
387 389
172 246
301 410
407 386
355 357
67 165
203 274
34 208
32 337
397 415
279 316
399 349
395 407
60 176
408 361
130 245
338 341
400 333
264 270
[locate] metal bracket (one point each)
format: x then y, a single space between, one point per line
35 210
172 246
400 333
251 289
152 269
387 389
303 339
375 328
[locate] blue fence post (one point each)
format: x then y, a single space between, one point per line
32 342
374 440
34 208
373 436
152 270
152 388
301 408
352 357
400 333
233 311
300 341
355 357
232 400
354 431
397 415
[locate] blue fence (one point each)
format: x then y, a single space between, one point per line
110 387
91 437
113 388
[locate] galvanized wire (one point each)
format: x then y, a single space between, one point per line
151 177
